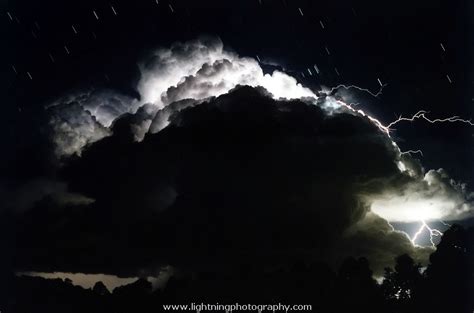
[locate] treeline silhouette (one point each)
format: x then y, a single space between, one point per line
445 286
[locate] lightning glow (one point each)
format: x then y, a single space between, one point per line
424 209
432 232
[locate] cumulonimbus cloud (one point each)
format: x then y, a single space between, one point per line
195 70
202 68
179 81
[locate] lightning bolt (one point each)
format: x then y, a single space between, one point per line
348 87
432 232
422 115
377 123
386 129
444 223
410 152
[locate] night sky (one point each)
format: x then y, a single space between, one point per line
76 180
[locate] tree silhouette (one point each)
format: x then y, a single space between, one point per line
402 282
445 287
449 277
356 289
100 289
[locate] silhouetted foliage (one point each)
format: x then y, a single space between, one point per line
356 288
402 282
100 289
445 286
449 277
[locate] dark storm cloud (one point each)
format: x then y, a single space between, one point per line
181 177
81 118
162 117
241 178
374 237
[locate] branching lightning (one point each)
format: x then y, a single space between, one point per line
432 232
377 123
410 152
422 115
347 87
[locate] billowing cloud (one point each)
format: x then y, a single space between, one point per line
104 105
194 70
202 68
82 118
74 128
201 166
166 68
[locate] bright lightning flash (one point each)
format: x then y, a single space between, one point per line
422 115
347 87
388 128
432 232
410 152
